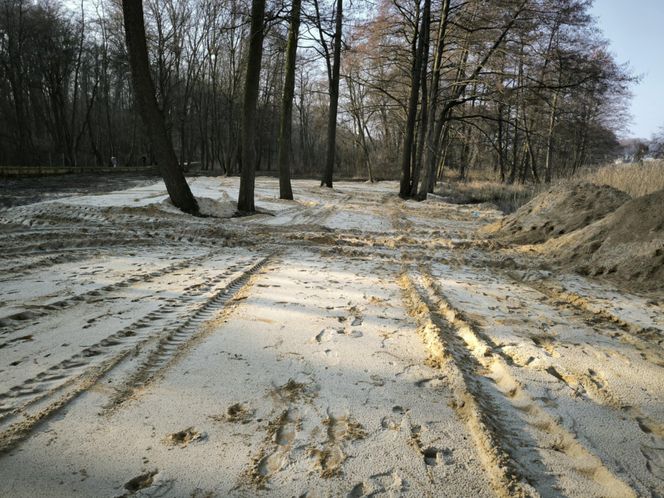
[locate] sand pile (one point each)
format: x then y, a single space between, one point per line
560 210
626 246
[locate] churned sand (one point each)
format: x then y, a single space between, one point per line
344 344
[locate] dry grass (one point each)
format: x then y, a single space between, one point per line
635 179
508 198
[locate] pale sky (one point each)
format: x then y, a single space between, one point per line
636 31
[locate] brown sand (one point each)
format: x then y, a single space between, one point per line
558 211
627 246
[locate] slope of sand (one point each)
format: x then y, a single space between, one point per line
558 211
344 344
626 246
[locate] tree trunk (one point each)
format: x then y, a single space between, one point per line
462 82
548 163
286 125
424 108
334 101
409 134
245 201
153 119
434 128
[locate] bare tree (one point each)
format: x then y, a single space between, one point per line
286 124
245 201
548 100
333 76
176 184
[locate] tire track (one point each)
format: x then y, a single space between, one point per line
54 242
647 341
568 455
471 403
558 361
135 333
51 213
174 342
589 388
590 384
18 321
652 334
26 405
42 261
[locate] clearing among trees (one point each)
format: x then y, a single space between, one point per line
348 343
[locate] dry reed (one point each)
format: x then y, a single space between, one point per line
635 179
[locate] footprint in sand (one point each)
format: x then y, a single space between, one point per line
431 382
655 460
330 456
430 456
281 434
326 335
391 423
389 483
236 413
183 438
141 481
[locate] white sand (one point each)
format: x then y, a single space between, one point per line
342 344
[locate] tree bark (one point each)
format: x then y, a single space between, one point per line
286 125
409 134
334 101
245 201
434 128
548 163
152 117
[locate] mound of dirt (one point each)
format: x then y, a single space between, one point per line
626 246
217 208
559 211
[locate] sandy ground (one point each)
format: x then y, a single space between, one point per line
346 344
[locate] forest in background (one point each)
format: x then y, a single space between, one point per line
525 88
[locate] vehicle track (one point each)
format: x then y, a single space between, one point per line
30 402
589 388
176 340
57 241
471 403
648 341
44 261
583 304
522 428
22 319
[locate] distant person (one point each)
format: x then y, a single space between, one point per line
114 162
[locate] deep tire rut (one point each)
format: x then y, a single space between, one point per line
511 429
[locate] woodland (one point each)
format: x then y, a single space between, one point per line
390 89
325 248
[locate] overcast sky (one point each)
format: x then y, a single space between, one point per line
636 31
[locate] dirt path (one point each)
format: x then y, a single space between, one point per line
347 344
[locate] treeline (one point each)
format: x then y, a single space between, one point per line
526 88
